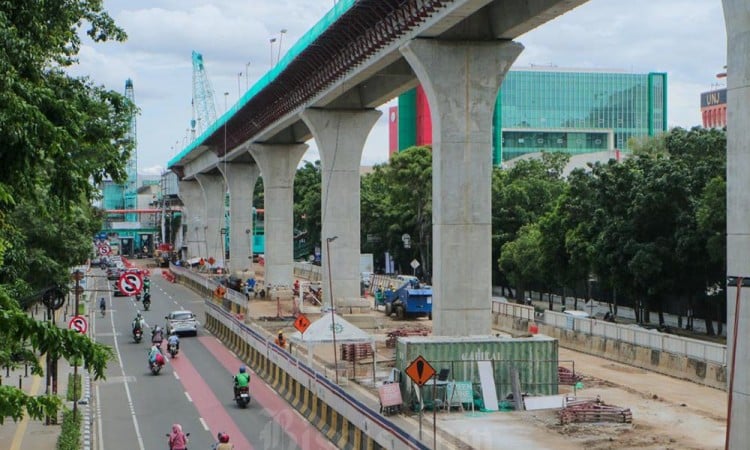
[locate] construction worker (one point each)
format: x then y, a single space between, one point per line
280 340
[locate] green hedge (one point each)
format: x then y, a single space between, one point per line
70 434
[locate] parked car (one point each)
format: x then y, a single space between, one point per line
182 322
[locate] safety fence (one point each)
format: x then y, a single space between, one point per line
346 421
632 334
513 310
307 271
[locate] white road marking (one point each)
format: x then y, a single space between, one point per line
188 397
203 422
127 388
99 438
177 377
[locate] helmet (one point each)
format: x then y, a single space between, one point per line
138 315
223 437
242 369
157 329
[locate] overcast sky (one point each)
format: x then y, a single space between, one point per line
685 38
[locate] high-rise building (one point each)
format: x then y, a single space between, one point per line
552 109
714 108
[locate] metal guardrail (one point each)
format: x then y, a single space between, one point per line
230 294
678 345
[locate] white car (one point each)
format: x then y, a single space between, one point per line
182 322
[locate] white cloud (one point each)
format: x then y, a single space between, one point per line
684 38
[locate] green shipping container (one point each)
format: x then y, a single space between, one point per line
535 358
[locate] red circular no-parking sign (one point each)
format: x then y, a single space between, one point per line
79 324
130 283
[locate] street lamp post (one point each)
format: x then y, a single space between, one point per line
247 75
333 309
281 37
226 94
271 41
239 89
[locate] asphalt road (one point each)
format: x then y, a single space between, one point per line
135 409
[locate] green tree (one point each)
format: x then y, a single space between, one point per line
520 196
307 216
59 137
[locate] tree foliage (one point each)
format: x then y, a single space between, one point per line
59 137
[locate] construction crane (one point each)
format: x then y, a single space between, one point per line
130 191
203 98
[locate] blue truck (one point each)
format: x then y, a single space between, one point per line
410 300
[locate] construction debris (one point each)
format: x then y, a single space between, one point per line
567 376
593 410
393 336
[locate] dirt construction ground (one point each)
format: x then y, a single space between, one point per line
668 413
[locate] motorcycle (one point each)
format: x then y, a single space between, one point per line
137 335
147 301
156 365
242 396
173 350
187 435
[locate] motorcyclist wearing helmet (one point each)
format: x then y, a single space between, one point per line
157 336
102 304
137 323
223 443
242 379
173 339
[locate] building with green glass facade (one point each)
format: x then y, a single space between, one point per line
551 109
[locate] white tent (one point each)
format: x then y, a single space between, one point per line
322 332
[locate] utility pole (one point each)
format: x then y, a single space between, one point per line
77 276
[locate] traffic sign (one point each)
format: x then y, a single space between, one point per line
79 324
301 323
420 371
105 250
130 283
414 264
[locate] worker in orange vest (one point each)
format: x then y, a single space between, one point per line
280 340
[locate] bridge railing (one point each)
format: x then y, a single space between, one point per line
678 345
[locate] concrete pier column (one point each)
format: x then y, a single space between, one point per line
214 194
194 216
278 165
241 179
461 80
737 19
340 136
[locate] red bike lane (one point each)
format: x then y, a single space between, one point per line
304 434
209 407
213 412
